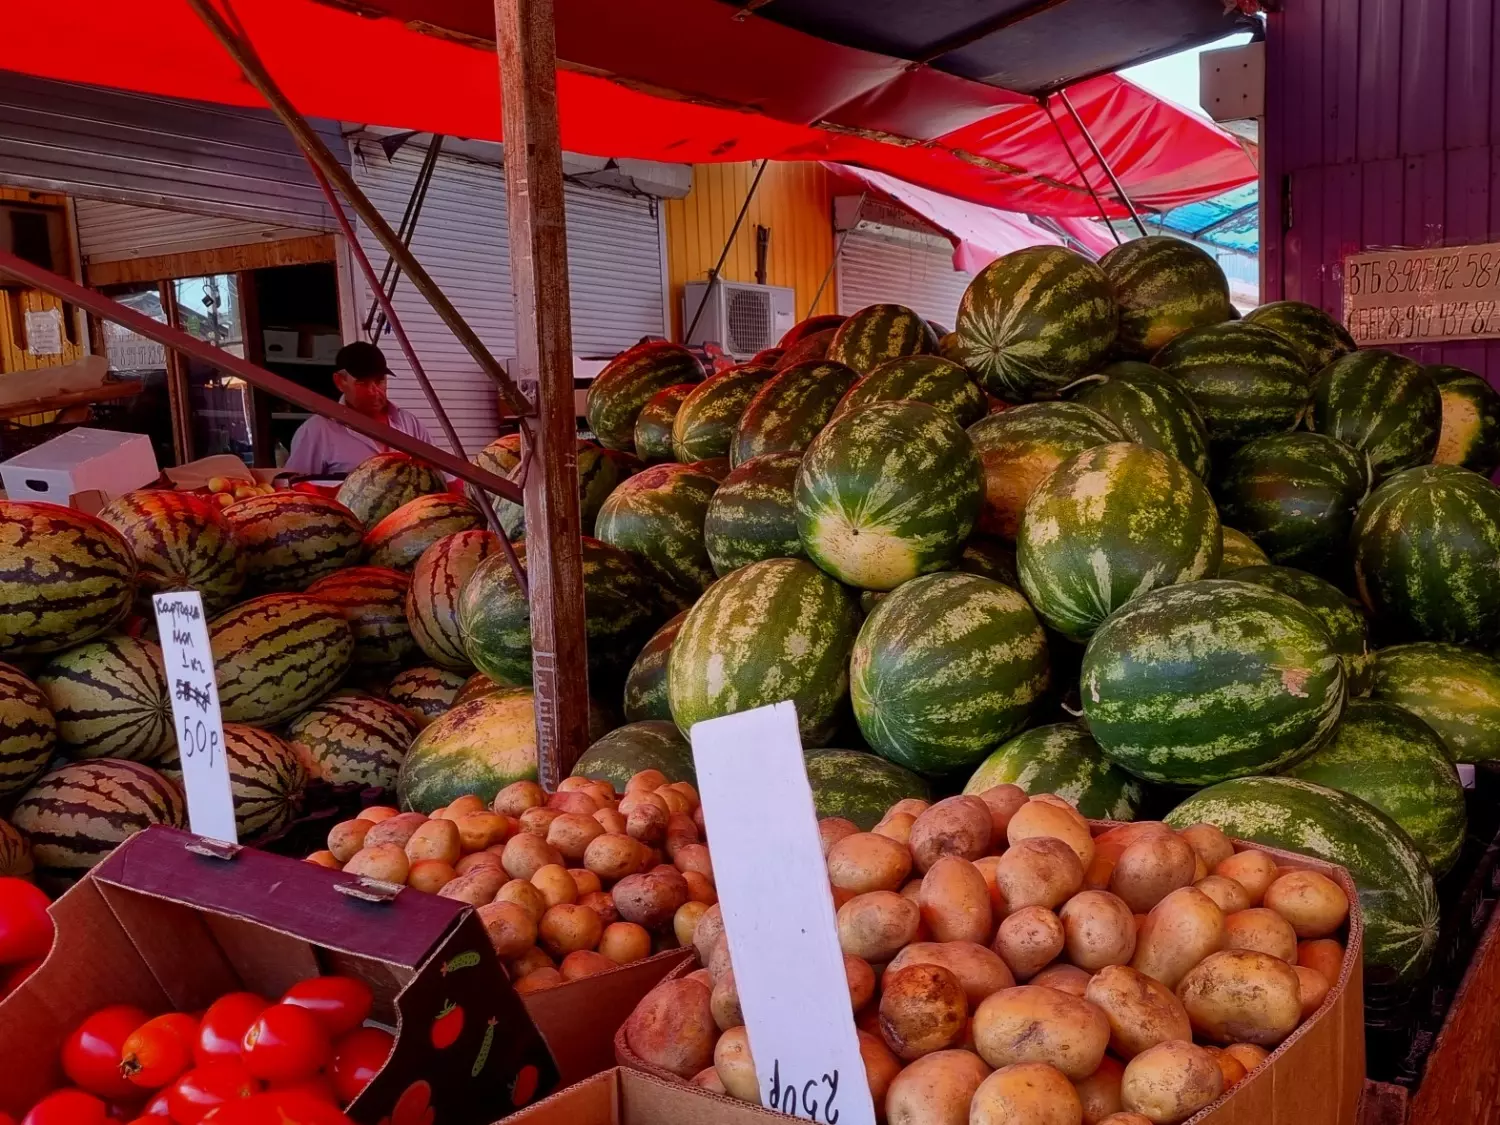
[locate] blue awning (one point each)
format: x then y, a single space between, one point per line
1230 221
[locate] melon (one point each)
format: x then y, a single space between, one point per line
657 516
858 786
653 425
399 540
28 731
628 382
378 485
266 778
432 598
646 683
1240 551
931 379
1381 403
110 699
1341 615
1150 408
709 417
425 692
1063 759
651 744
752 515
789 410
1164 287
373 601
878 333
277 654
1470 436
182 541
353 739
1454 690
289 540
1318 338
475 749
1246 381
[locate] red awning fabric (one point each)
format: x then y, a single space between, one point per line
1001 150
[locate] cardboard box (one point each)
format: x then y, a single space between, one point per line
78 461
629 1097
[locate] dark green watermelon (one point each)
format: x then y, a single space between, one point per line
706 421
1063 759
1149 407
1341 616
1471 420
858 786
628 382
626 751
1246 381
658 517
1239 551
1318 338
1454 690
931 379
879 333
1164 287
1381 403
789 410
653 425
646 683
753 514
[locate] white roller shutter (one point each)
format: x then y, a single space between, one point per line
113 232
916 272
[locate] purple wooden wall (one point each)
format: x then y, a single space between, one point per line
1382 129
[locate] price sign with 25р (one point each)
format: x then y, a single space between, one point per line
195 713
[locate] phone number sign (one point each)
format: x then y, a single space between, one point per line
1414 296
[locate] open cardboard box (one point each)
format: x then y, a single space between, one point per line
630 1097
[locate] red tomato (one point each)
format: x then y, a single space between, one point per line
68 1107
91 1053
340 1003
205 1087
357 1058
286 1044
319 1086
159 1050
284 1107
13 976
25 925
224 1025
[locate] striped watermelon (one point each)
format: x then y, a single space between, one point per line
931 379
288 540
944 668
629 381
373 600
182 540
1425 549
15 853
1245 380
990 558
859 786
646 684
378 485
652 744
110 699
432 598
1388 757
1111 523
887 492
353 739
425 692
1471 420
715 467
809 349
28 731
1318 338
599 471
1062 758
1149 407
1382 403
753 515
477 748
812 326
708 418
477 686
1206 681
500 457
1454 690
1164 287
620 605
1340 614
1396 893
657 516
789 410
1295 495
399 540
1033 321
1240 551
653 425
267 778
768 632
77 814
878 333
1019 448
277 654
64 577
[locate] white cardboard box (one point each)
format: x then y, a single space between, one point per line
79 461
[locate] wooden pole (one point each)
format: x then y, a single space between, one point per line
527 44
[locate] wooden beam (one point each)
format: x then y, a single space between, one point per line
527 43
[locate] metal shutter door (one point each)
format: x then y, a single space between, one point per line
112 232
614 270
914 273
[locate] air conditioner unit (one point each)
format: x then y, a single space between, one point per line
741 318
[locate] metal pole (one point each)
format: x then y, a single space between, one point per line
713 277
1099 156
390 273
1099 203
837 250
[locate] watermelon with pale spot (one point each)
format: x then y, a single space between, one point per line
477 748
1341 615
1063 759
1470 434
657 516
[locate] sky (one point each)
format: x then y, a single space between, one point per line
1176 76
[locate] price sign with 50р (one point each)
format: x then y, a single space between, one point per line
195 713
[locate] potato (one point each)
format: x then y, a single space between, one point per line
568 927
652 899
568 784
611 821
348 837
897 827
1228 895
1099 1093
624 942
676 801
1171 1082
1261 929
525 854
724 1002
1248 1055
462 806
832 829
1242 996
481 829
922 1009
1098 930
1029 940
980 971
955 901
530 960
1112 843
706 936
1150 869
1003 802
430 875
539 981
437 839
1230 1068
1180 931
957 826
986 865
574 801
685 921
510 928
860 976
1030 1023
602 904
1064 978
700 888
866 862
719 961
1253 870
1038 871
613 856
480 859
571 834
708 1079
647 823
1042 818
935 1090
876 925
1097 874
555 883
585 882
382 861
1325 955
376 813
1126 1118
476 887
881 1066
632 801
910 806
538 822
1142 1012
1029 1093
324 858
673 1027
688 790
524 895
735 1067
647 781
1212 846
1312 989
1313 903
695 858
394 830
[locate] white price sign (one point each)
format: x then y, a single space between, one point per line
195 713
778 912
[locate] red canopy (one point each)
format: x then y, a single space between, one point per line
998 148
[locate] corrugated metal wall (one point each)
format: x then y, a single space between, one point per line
1382 129
916 273
112 232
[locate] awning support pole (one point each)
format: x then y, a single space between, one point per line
390 273
35 277
1082 175
713 277
244 55
837 250
526 41
1099 156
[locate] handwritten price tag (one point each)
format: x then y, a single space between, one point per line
195 713
778 913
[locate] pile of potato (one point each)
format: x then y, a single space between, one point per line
1006 967
567 885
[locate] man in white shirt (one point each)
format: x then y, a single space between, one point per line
323 447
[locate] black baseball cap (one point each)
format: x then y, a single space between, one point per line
360 360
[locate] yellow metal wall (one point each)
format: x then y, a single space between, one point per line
794 200
12 357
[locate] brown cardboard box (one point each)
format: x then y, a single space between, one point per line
628 1097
